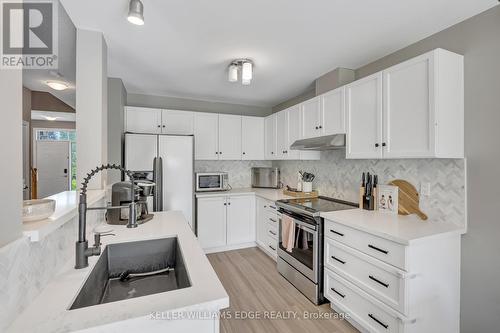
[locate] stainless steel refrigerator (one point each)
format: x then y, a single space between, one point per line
169 159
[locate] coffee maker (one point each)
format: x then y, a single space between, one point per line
120 196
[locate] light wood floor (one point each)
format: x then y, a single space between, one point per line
255 287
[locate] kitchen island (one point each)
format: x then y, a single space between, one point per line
194 308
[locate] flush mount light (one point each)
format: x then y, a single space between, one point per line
57 85
51 118
245 66
136 12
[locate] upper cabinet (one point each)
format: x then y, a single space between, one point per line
412 110
142 120
229 137
270 137
206 138
311 118
364 117
332 116
158 121
252 138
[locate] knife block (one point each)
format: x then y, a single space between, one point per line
368 202
361 196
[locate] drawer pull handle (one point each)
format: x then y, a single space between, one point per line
378 249
272 248
272 207
335 291
378 321
378 281
273 220
336 232
340 261
272 232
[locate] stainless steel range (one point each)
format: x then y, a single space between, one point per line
300 250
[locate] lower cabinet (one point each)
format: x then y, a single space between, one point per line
225 222
267 226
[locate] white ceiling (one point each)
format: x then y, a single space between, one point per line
185 45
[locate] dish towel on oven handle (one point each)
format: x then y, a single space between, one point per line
287 232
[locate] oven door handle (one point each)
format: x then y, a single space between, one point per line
306 226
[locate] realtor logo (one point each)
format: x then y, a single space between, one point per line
29 35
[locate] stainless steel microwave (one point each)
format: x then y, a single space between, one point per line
212 181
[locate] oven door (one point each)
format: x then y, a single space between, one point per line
209 182
302 251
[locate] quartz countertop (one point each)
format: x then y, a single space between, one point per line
66 209
266 193
49 311
403 229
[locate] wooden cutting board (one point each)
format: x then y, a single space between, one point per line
409 199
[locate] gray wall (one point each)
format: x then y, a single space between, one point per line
478 39
195 105
310 93
117 98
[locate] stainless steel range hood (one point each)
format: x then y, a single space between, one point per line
329 142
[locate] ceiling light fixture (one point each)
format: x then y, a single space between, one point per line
57 85
245 66
136 12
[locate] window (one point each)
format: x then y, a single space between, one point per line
61 135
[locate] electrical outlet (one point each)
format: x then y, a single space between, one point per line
425 189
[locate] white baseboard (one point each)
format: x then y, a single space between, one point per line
230 247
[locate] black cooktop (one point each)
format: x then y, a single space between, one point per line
319 205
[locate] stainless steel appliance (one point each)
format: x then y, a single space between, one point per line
168 161
121 196
266 177
301 261
212 181
328 142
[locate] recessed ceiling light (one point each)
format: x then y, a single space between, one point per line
57 85
136 12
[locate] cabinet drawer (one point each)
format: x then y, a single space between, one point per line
271 207
272 230
272 217
382 249
369 315
271 245
380 280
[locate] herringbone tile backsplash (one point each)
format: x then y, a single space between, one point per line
340 178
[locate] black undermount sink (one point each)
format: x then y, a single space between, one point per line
124 271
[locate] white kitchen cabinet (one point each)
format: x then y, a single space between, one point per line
423 107
211 222
270 137
332 116
140 150
294 129
177 122
206 137
364 117
240 219
282 145
252 138
311 121
267 226
142 120
261 213
226 222
229 137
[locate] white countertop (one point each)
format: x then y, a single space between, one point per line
266 193
403 229
49 311
66 209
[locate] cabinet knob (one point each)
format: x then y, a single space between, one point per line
164 126
376 145
243 153
229 204
159 126
320 127
225 204
220 153
272 153
383 144
317 127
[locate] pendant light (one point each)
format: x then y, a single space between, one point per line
136 12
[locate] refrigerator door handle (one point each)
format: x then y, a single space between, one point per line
158 180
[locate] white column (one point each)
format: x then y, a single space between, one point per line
11 164
91 105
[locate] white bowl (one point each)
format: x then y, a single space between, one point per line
35 210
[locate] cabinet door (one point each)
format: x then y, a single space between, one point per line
206 139
270 137
333 112
261 221
282 135
229 137
364 118
252 138
211 222
311 118
408 109
240 219
177 122
294 128
142 120
140 150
